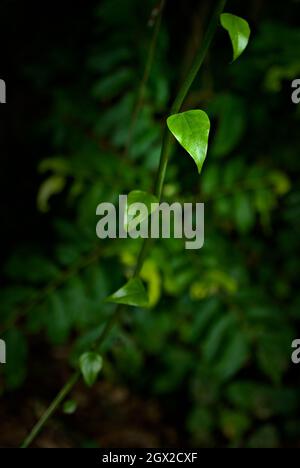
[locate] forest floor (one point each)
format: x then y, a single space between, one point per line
108 415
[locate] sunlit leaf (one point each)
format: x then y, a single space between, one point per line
90 365
239 32
191 129
132 293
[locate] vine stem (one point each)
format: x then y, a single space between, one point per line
142 88
182 93
164 157
50 410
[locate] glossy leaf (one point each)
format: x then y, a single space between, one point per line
137 196
90 365
132 293
239 32
191 129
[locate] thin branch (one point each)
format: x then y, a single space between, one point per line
51 409
142 88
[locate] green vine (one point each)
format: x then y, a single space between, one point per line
91 361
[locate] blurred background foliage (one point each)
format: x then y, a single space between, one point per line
214 348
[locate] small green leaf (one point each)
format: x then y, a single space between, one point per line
51 186
191 129
69 407
239 32
138 196
132 293
90 365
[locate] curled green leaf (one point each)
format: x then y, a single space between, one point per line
239 32
191 130
132 293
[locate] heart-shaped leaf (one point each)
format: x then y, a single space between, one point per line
138 196
239 32
132 293
191 129
90 364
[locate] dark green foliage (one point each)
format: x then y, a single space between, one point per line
219 330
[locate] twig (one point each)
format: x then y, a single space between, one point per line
50 410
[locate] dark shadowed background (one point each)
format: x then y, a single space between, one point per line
209 363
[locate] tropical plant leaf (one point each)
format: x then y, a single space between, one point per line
132 293
239 32
191 129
